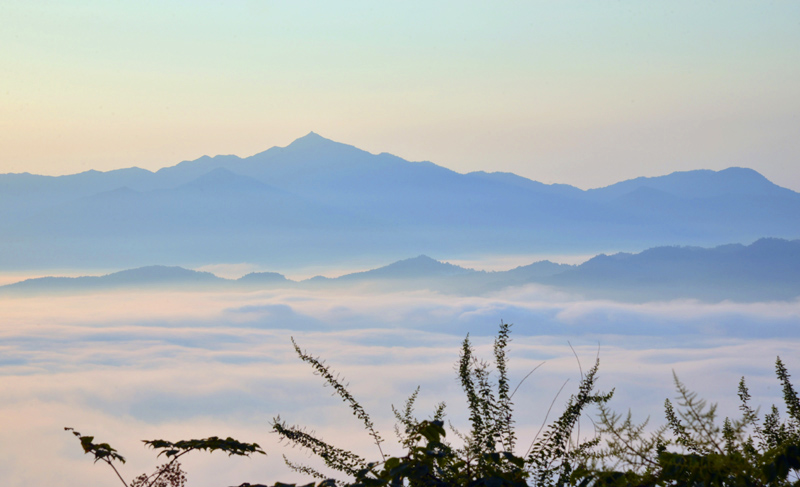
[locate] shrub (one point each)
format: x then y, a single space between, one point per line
748 451
486 455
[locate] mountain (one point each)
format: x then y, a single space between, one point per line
261 279
421 267
324 201
144 277
697 184
766 270
148 277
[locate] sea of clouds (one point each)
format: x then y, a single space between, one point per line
135 365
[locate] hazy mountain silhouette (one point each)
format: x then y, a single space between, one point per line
263 277
697 184
148 277
142 277
420 267
322 200
767 270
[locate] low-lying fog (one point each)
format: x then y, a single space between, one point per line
143 365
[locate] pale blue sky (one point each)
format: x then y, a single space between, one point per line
585 93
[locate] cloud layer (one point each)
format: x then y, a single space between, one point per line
131 366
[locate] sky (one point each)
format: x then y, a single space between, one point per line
583 93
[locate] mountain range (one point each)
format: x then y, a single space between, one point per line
766 270
317 200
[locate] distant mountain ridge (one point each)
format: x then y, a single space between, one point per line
148 276
324 200
767 270
420 267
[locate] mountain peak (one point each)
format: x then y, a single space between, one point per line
420 266
311 146
311 139
699 183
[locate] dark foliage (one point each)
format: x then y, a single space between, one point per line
486 455
169 474
692 449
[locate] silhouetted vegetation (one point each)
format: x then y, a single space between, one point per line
692 449
169 474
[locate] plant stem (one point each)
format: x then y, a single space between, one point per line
116 472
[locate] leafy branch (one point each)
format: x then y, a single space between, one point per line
335 381
171 450
101 451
